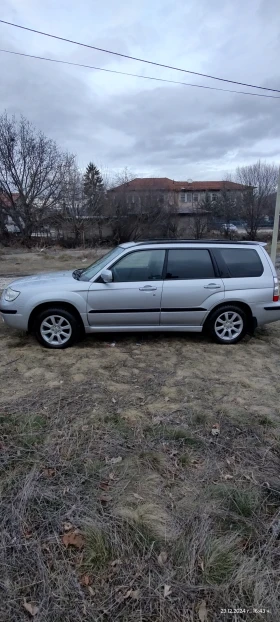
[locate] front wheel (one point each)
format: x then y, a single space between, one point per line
228 324
56 328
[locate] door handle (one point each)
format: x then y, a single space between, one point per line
147 288
212 286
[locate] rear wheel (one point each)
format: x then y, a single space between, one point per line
228 324
56 328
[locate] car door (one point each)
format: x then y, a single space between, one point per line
190 287
134 296
246 274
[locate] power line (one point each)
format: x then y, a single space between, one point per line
140 60
135 75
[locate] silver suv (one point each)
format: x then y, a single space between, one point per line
224 288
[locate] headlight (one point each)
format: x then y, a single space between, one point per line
11 294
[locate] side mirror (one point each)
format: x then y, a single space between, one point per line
106 276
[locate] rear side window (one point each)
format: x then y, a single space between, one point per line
189 263
242 262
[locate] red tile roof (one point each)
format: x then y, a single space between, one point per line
163 183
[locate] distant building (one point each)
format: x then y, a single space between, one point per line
184 198
185 195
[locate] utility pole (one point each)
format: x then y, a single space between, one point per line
276 223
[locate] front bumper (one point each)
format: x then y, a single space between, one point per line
11 313
15 320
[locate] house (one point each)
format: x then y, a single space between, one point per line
185 195
185 198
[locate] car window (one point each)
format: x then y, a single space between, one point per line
242 262
139 266
190 263
92 270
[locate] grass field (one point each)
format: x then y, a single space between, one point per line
139 481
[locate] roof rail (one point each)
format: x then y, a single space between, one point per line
192 241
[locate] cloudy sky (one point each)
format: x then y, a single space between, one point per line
155 129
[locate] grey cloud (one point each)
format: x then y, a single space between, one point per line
167 130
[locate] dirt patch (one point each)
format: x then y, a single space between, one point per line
114 446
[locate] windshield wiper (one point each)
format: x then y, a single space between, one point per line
77 273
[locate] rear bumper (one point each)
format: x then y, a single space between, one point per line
266 313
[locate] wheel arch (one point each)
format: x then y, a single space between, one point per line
67 306
236 303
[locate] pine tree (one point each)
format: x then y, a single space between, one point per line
93 181
94 194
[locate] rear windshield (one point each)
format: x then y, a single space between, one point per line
242 262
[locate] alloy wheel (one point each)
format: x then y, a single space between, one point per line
229 325
56 330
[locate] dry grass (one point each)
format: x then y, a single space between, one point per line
19 262
114 447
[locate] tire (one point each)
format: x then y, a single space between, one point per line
228 324
56 328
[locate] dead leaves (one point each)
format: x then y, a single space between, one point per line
116 460
134 594
215 429
104 485
68 526
166 591
27 533
202 611
30 608
105 499
162 558
138 497
73 538
85 580
227 476
47 472
195 463
116 562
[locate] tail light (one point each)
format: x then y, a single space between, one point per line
275 289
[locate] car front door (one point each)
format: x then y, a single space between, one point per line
190 288
134 296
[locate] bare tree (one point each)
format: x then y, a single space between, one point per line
124 207
71 212
199 224
261 181
121 177
31 166
225 208
3 217
202 217
140 214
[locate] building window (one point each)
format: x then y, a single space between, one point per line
188 197
214 196
195 197
182 197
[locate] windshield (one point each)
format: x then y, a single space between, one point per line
95 267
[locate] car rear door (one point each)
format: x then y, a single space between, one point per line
190 288
246 273
134 296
